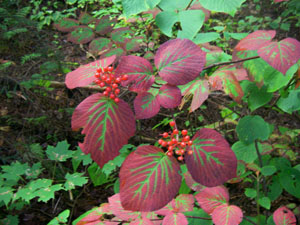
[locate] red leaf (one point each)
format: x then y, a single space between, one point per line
84 75
139 71
212 162
169 96
175 219
192 183
199 91
118 210
95 215
104 25
179 61
146 105
211 198
284 216
141 221
107 126
66 25
149 179
255 40
281 55
227 215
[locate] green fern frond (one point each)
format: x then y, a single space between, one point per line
29 57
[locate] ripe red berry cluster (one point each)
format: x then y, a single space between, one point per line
105 78
174 143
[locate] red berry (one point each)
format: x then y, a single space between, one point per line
174 141
102 84
175 131
180 158
108 80
105 69
105 93
110 68
170 148
108 89
190 152
169 143
165 135
117 91
177 152
114 85
125 77
184 132
169 153
172 123
99 70
104 77
112 96
118 80
181 151
183 144
190 143
97 81
117 100
97 75
164 144
160 141
186 138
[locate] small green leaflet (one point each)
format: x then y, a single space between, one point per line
75 179
6 194
45 194
78 157
60 152
61 218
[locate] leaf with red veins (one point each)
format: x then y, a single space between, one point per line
281 55
107 126
118 210
179 61
95 215
141 221
210 198
284 216
169 96
175 219
227 215
199 91
212 162
139 71
149 179
85 75
146 105
255 40
191 183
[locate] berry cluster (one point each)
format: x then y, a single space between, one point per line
105 78
174 143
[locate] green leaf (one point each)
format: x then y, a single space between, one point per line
10 220
250 192
61 218
111 165
96 174
184 188
244 152
81 35
165 21
6 194
268 170
274 188
60 152
193 220
291 103
75 179
34 171
206 37
45 194
251 128
132 7
172 5
265 202
226 6
290 181
78 157
191 21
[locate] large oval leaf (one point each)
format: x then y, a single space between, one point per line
84 75
255 40
284 216
211 198
281 55
107 126
227 215
139 71
212 162
146 105
179 61
175 219
81 35
169 96
149 179
226 6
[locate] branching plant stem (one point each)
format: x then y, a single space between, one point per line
228 63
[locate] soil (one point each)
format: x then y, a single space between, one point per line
42 115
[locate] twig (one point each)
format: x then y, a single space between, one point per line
228 63
189 5
250 221
57 84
